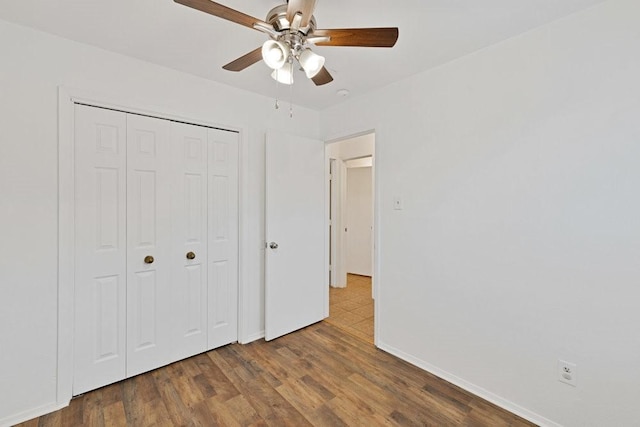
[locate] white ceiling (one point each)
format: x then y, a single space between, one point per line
432 32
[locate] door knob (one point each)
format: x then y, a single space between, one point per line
191 255
148 259
273 245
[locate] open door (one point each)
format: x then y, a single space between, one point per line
296 265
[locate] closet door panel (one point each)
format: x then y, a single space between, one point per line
189 144
223 237
100 248
149 285
156 243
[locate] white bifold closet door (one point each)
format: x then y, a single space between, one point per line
152 198
150 288
100 248
223 237
189 145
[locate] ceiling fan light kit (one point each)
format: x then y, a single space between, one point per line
275 54
292 31
284 74
311 62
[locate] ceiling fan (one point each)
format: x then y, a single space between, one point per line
292 30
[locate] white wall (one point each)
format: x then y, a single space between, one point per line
359 220
34 64
519 242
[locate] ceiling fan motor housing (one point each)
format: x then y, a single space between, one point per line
287 33
278 18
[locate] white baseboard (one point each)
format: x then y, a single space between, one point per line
32 413
252 337
472 388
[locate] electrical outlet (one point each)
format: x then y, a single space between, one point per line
567 372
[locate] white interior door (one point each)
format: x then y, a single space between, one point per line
100 248
359 220
189 143
296 270
223 238
149 268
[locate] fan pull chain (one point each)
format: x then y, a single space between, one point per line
277 103
291 95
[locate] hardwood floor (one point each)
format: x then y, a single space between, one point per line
351 308
319 376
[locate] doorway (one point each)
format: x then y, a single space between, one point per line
351 230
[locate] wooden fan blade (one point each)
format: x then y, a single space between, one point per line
221 11
322 78
304 7
245 60
362 37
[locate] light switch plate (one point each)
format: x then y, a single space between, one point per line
397 203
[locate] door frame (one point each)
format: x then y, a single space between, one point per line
67 98
375 278
336 244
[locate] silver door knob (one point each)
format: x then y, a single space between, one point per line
273 245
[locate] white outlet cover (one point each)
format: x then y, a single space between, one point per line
567 372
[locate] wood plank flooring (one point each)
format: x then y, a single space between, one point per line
319 376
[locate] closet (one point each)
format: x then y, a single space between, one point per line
156 243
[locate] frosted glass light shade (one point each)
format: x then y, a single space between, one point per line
275 53
284 75
311 62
